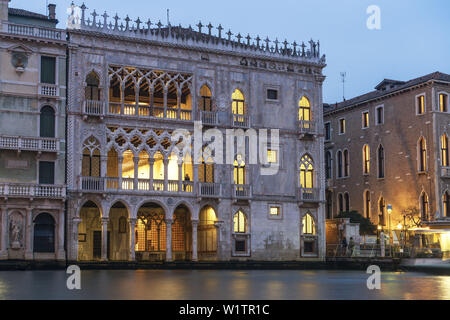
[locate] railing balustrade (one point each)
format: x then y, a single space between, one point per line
29 143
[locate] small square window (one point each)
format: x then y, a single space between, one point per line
272 156
341 126
272 94
274 211
365 119
240 246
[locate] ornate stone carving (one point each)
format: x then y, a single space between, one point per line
16 231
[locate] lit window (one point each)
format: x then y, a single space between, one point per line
421 104
446 204
366 159
422 155
240 222
443 99
239 171
341 126
238 102
274 211
306 173
365 120
309 226
304 111
272 156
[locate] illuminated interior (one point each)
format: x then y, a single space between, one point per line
304 111
205 103
150 232
366 159
239 171
306 173
240 222
207 233
309 226
238 102
444 150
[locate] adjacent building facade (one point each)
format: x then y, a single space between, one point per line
390 147
32 135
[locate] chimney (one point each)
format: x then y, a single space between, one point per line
52 11
4 10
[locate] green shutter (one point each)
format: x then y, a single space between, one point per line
46 172
48 70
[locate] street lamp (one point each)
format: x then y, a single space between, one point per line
389 210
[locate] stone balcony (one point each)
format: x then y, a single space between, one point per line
29 144
307 129
241 191
147 112
209 190
240 121
311 195
93 108
22 190
46 90
33 31
209 118
445 172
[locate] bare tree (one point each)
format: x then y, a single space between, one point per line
413 216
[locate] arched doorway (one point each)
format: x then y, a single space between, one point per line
44 234
118 233
90 233
150 233
207 234
182 234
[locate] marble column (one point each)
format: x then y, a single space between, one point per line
180 177
195 178
151 162
132 223
105 239
166 174
120 161
194 240
136 173
28 235
75 223
60 253
4 238
169 240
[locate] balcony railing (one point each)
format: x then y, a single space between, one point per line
145 111
29 144
242 191
48 90
240 120
307 127
445 172
34 31
209 118
210 190
309 194
32 190
93 108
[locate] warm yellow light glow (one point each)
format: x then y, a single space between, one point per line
188 169
309 226
379 227
399 226
239 171
306 173
272 156
304 112
173 167
274 211
366 159
128 165
238 102
444 150
240 222
158 167
143 167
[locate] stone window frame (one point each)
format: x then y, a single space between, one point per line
439 101
308 237
377 120
340 132
277 205
241 236
277 147
50 55
325 133
362 119
424 103
272 87
55 162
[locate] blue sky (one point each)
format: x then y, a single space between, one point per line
414 39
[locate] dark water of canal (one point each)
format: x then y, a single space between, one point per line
221 285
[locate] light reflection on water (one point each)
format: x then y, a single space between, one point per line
220 284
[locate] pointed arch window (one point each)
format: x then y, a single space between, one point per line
205 103
240 222
309 226
422 155
446 204
239 172
90 166
306 173
238 104
92 91
366 159
424 206
380 162
444 151
47 122
304 109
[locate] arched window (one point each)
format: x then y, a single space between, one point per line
239 173
205 99
304 109
309 226
339 164
346 163
47 122
92 91
424 206
422 146
238 104
341 203
240 222
446 204
366 159
347 202
380 161
329 198
381 212
444 150
90 166
306 173
44 233
367 204
328 165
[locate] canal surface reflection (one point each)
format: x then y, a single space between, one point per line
222 285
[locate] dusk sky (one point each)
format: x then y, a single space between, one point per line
414 39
